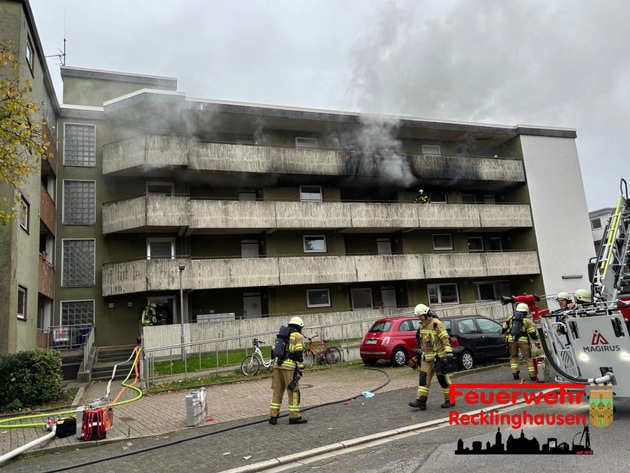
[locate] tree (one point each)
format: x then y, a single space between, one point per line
22 139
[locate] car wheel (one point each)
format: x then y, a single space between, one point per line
466 360
369 362
399 357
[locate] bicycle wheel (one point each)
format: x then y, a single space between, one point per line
309 359
333 356
250 366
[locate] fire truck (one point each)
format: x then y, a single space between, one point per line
590 344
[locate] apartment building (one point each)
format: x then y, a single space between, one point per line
27 244
599 219
260 211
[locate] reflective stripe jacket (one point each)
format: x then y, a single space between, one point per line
296 353
528 330
433 339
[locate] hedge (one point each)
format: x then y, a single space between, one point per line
29 379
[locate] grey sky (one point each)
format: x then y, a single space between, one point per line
558 63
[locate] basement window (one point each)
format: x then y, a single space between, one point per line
318 298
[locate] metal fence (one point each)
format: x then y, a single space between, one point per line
64 337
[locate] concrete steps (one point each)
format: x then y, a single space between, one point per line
107 358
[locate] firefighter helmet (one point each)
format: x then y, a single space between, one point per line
420 191
522 307
583 296
563 295
296 321
421 309
152 305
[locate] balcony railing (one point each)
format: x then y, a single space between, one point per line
162 274
176 151
159 210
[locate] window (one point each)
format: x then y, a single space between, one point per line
79 145
161 248
30 55
492 291
21 307
596 223
431 150
318 298
384 246
167 188
496 244
249 249
304 142
409 326
469 198
78 263
79 202
314 244
466 326
443 294
25 213
247 195
442 241
311 194
438 197
489 326
475 243
489 199
77 312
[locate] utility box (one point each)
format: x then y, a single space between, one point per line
196 407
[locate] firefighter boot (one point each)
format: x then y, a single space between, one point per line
299 420
420 403
447 403
273 420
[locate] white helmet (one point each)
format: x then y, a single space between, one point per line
522 307
563 295
296 321
421 309
583 296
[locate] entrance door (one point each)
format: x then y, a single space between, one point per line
252 305
166 309
388 295
362 298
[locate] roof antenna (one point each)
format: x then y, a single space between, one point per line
61 55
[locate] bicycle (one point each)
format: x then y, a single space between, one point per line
321 350
251 364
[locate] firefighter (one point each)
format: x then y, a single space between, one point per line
517 332
582 298
421 198
437 357
286 376
149 315
566 304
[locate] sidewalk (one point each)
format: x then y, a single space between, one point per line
163 413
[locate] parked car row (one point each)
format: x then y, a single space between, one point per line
474 338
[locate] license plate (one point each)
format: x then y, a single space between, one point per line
370 342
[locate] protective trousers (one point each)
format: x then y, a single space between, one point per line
280 381
527 354
427 369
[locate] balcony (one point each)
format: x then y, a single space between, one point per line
139 214
135 155
48 211
162 275
46 278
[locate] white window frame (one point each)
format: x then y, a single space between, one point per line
30 55
450 237
477 238
497 287
25 213
160 240
23 301
315 237
316 196
431 150
438 293
169 185
325 291
306 142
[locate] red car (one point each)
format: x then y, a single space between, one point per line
393 338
